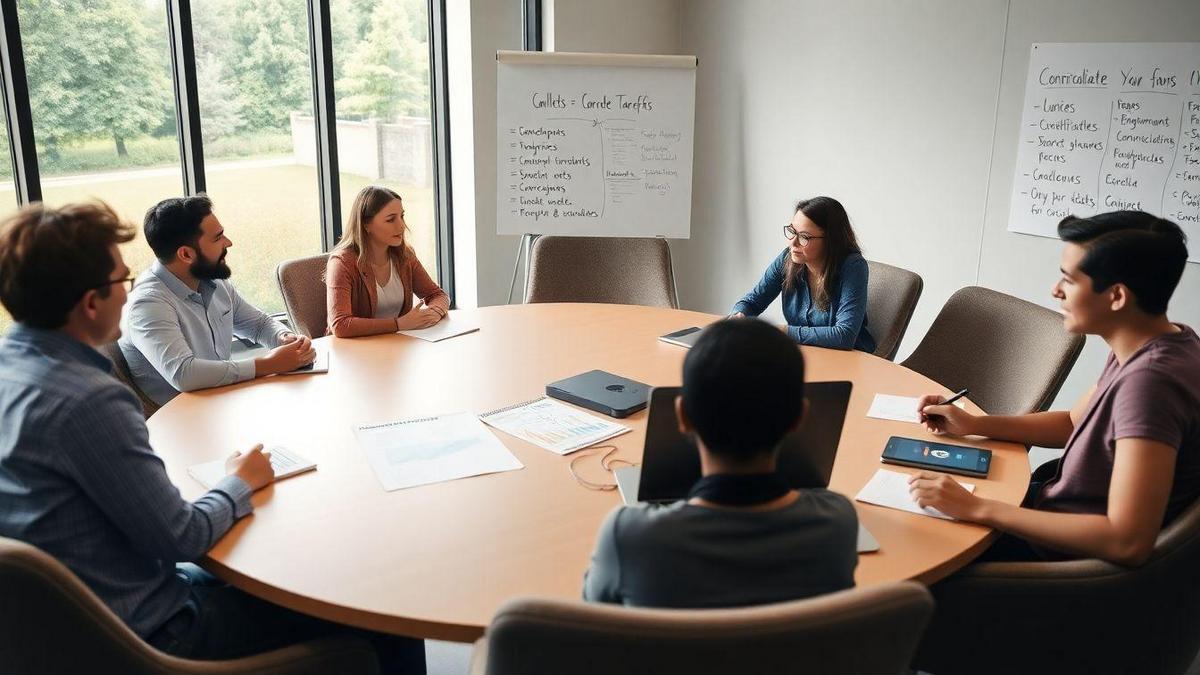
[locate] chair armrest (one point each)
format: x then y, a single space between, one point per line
341 654
1065 570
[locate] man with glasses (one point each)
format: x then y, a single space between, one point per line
184 313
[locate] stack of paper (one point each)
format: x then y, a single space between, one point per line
433 449
899 408
554 426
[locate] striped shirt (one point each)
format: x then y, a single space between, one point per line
79 480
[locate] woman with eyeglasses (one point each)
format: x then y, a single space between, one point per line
823 278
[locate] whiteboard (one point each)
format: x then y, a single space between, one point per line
1108 127
594 144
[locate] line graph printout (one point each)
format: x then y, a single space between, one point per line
433 449
594 144
554 426
1109 127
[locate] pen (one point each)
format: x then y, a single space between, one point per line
955 397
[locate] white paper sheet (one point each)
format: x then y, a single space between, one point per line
898 408
451 326
433 449
554 426
890 489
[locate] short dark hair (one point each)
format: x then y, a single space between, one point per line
1142 251
175 222
743 387
50 257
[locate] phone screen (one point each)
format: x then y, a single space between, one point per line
941 456
682 333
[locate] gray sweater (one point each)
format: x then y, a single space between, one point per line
688 556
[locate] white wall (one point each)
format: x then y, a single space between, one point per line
906 111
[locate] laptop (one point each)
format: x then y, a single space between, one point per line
671 464
601 391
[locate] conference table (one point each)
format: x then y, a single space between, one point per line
436 561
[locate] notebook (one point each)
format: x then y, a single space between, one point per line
319 365
684 338
285 463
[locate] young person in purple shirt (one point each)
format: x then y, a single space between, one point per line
1132 443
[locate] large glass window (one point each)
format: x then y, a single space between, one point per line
99 76
254 79
381 84
8 196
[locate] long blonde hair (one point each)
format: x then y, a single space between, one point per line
369 202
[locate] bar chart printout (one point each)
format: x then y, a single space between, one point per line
1109 127
555 426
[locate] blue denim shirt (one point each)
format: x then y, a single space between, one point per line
177 339
79 480
842 326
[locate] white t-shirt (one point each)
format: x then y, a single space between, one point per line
390 297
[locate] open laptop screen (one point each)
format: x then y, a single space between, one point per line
671 465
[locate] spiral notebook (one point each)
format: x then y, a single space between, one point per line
428 450
554 426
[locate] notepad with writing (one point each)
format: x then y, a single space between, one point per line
890 489
554 426
285 463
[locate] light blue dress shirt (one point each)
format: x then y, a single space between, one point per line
176 339
79 480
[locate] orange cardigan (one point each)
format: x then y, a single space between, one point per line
351 300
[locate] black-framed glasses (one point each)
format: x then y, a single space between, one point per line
791 233
126 280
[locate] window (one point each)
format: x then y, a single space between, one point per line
384 131
99 77
254 78
103 113
8 195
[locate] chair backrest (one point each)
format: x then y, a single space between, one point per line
868 630
302 285
52 623
121 369
621 270
1013 355
892 294
1073 616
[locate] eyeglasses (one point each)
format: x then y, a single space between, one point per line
791 233
126 280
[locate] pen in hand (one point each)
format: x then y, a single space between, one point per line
955 397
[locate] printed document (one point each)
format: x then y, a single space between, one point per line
433 449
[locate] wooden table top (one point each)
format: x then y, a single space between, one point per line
437 561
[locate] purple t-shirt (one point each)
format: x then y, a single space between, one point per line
1154 395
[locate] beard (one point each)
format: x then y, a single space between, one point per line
214 269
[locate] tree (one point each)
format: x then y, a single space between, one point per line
220 106
93 71
272 71
388 70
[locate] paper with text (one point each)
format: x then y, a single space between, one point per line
554 426
451 326
433 449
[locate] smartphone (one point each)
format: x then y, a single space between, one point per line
937 456
684 338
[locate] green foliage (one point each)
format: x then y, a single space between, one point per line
388 72
271 64
93 71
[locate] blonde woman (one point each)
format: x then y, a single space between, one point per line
373 273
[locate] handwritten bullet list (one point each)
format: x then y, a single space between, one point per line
1107 127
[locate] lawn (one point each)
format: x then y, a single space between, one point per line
270 213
